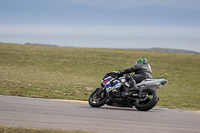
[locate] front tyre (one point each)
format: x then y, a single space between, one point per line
98 98
150 100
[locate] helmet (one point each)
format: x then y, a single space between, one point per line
141 61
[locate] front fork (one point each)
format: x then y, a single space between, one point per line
100 90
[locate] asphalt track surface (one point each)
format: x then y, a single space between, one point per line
75 115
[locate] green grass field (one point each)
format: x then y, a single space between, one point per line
70 73
4 129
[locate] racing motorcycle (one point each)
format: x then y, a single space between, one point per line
144 98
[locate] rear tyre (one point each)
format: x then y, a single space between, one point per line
96 99
149 102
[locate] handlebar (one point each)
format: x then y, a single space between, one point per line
114 75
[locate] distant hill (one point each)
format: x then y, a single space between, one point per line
40 44
154 49
167 50
142 49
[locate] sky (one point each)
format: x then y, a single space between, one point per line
102 23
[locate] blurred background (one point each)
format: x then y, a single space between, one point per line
102 23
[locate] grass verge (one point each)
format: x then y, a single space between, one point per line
73 73
5 129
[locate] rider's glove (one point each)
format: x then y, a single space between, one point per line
116 72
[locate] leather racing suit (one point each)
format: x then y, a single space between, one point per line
142 71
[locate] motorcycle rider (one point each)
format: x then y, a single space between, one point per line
142 71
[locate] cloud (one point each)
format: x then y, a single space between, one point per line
101 31
123 4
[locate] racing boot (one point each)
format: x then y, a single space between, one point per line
133 87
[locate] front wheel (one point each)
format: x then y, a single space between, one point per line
151 99
98 98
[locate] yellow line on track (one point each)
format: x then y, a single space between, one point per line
197 112
78 101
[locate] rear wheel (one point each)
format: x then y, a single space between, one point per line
98 98
150 99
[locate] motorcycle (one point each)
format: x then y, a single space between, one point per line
144 98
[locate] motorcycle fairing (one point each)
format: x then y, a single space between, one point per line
153 83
